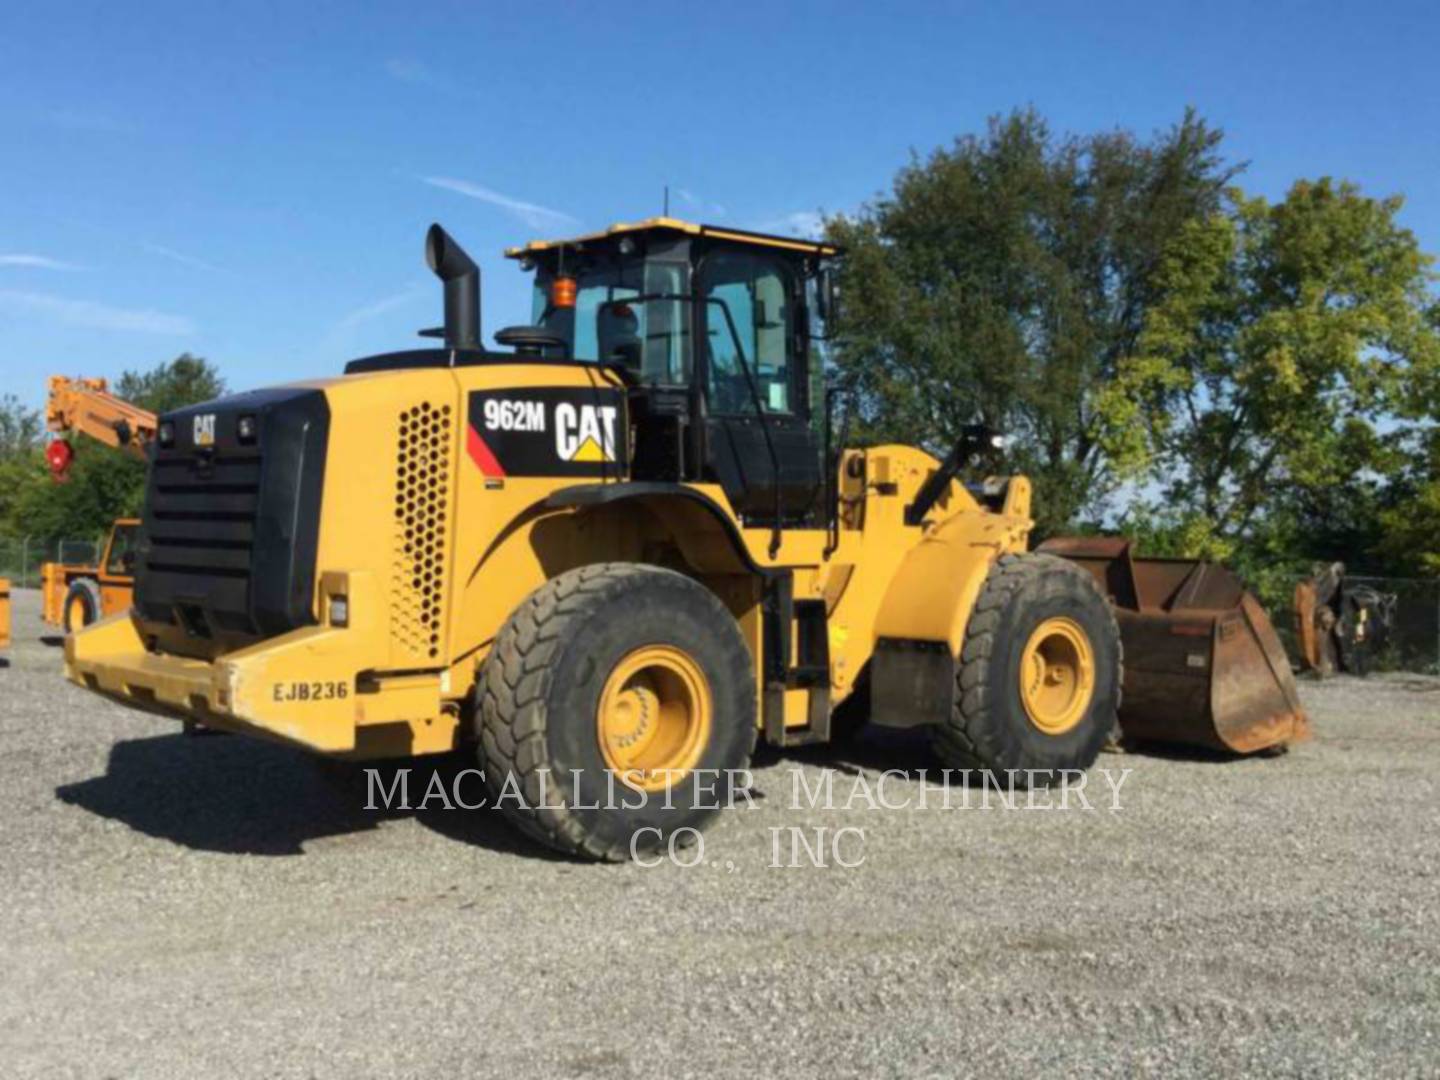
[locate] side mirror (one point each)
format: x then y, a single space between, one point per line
829 296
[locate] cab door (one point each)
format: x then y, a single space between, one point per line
117 567
759 446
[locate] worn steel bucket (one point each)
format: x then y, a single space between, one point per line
1203 665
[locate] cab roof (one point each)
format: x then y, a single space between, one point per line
660 224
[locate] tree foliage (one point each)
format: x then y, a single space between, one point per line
186 380
1005 279
1409 533
1213 374
1283 376
20 441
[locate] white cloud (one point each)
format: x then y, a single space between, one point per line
379 307
96 316
806 223
345 332
87 119
38 262
407 69
534 215
412 72
696 202
180 257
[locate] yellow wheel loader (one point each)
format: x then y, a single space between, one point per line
609 556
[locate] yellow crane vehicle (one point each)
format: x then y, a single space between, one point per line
86 407
76 594
621 548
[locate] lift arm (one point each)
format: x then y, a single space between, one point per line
86 407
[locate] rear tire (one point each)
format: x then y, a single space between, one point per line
1038 682
568 651
82 604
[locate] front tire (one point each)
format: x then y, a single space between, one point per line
1038 682
609 672
82 604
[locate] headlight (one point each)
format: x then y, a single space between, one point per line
245 429
167 434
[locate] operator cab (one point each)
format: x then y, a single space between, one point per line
718 334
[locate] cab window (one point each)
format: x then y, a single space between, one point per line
120 558
628 315
748 316
598 290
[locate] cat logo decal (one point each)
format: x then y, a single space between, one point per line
547 431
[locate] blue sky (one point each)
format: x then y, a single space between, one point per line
251 182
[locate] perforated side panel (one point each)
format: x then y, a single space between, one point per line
422 494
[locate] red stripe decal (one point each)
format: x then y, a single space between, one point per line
481 454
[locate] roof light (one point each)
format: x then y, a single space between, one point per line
562 292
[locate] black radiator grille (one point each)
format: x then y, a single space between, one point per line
202 527
229 534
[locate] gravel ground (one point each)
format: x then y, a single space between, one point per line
176 906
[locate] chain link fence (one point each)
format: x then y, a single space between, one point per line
20 559
21 556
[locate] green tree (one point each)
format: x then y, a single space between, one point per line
20 440
1410 541
186 380
20 428
1005 279
104 483
102 486
1284 371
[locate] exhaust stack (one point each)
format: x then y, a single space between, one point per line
462 288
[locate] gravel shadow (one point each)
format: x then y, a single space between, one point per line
246 797
875 749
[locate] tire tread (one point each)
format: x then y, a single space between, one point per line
513 689
973 738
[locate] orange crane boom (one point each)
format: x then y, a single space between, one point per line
86 407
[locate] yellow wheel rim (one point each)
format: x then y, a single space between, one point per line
75 617
654 717
1057 675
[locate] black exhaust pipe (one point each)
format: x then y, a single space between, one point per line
462 288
